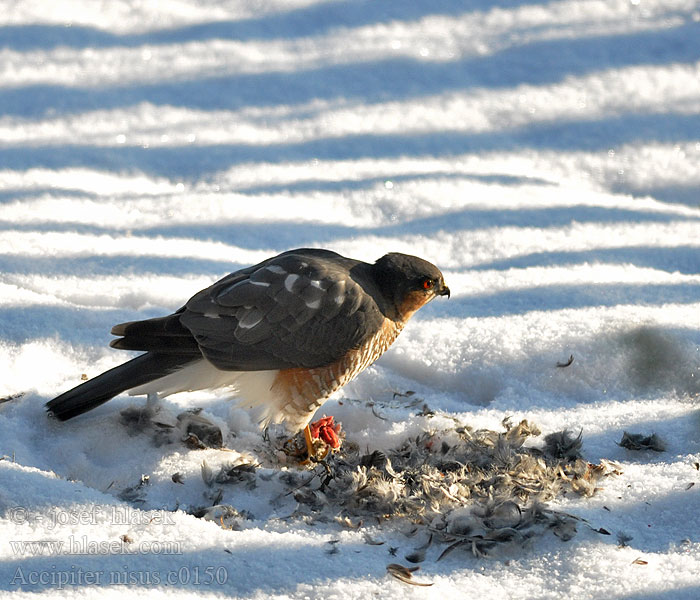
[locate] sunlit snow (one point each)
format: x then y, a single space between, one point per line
546 156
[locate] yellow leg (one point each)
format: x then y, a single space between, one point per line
309 442
310 451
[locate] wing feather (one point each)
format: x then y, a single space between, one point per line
301 308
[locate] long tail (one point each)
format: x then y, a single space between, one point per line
96 391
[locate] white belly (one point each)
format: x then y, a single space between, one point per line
255 389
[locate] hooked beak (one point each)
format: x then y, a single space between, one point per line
444 291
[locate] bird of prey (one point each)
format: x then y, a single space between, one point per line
285 334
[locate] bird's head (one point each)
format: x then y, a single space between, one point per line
408 282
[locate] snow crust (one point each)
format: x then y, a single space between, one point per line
545 155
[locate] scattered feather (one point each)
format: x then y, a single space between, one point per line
405 574
480 491
243 472
637 441
136 419
371 541
135 494
623 539
347 522
563 445
567 363
333 549
207 474
563 528
11 397
190 427
416 557
216 496
426 411
376 414
193 442
223 514
194 425
501 516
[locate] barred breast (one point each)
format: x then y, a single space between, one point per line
300 392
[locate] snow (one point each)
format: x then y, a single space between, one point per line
545 155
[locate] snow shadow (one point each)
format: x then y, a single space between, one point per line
251 234
366 183
553 297
682 194
533 63
314 19
685 593
115 264
70 324
628 363
268 569
682 259
202 161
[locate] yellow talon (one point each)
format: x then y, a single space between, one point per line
309 442
310 450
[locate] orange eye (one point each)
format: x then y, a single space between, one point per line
428 284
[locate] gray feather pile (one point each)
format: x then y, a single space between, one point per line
479 490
